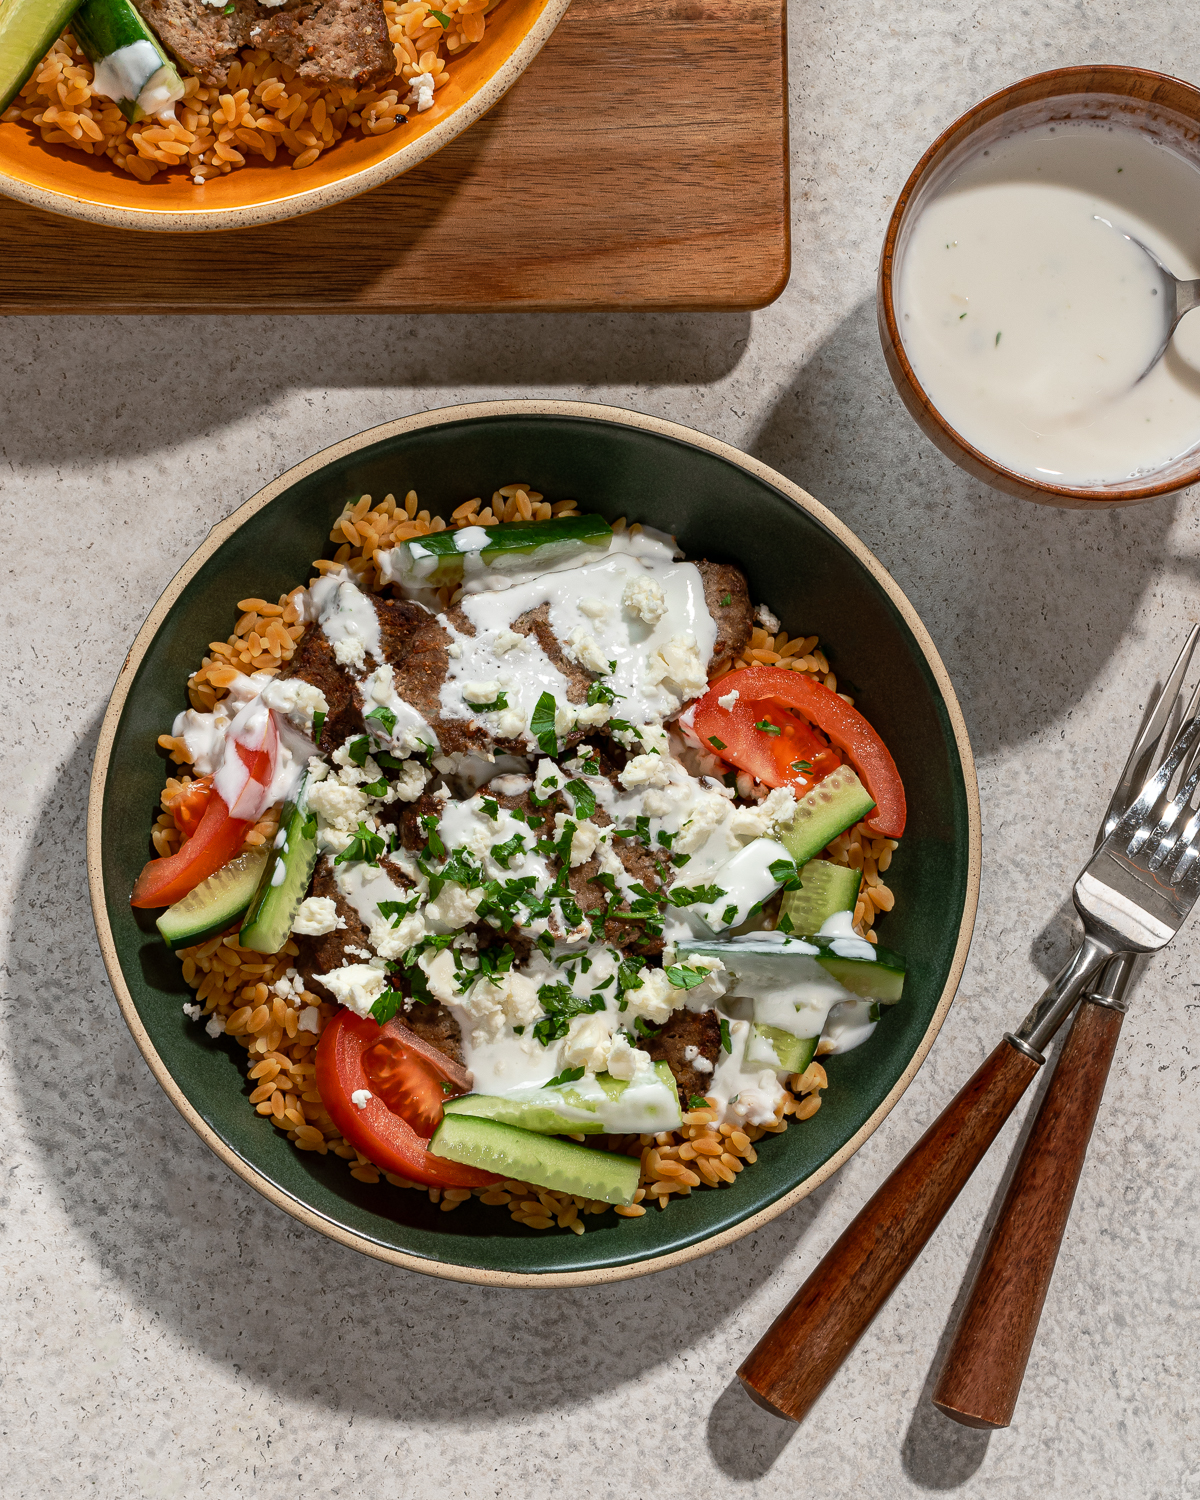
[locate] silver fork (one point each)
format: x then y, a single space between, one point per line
1126 907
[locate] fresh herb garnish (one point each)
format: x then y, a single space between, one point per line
500 701
785 872
382 716
489 808
365 847
642 1029
434 848
600 692
622 726
395 911
388 760
697 1101
767 727
785 924
716 743
493 963
801 765
358 750
726 1039
375 788
685 977
728 914
583 796
502 853
562 1005
441 17
692 895
309 831
390 1001
726 600
541 724
568 1075
318 725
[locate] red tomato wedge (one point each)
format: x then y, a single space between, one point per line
393 1066
743 736
189 810
217 838
218 835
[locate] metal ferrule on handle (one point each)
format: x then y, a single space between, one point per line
1058 1000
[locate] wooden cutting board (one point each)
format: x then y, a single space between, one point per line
640 162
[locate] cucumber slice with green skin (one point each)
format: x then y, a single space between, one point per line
590 1106
284 882
437 559
832 806
215 903
27 32
879 978
794 1052
131 67
825 888
544 1160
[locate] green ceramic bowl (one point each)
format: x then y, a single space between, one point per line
720 504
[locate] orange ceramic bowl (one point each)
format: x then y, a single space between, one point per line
85 187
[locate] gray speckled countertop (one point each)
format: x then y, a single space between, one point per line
164 1331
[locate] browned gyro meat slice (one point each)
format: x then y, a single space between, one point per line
684 1030
728 601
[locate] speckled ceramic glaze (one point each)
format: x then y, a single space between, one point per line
69 182
720 504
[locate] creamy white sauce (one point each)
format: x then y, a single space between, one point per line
1027 321
348 619
138 72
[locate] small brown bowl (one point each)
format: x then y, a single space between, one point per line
1162 106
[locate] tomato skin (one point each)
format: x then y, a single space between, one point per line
217 838
189 810
383 1136
752 749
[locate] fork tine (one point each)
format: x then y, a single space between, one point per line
1139 822
1186 873
1162 840
1152 736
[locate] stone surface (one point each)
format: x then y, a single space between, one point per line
165 1332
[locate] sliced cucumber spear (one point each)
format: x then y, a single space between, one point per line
832 806
27 32
131 68
544 1160
825 889
284 882
879 978
215 902
440 558
588 1106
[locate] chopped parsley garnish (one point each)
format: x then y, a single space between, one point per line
583 796
442 18
716 743
726 600
390 1001
801 765
785 872
502 900
375 788
434 848
588 764
389 761
359 749
624 727
500 701
726 1039
679 860
460 867
382 716
785 924
561 1005
494 962
364 847
728 914
489 808
318 725
229 9
642 1029
697 1101
600 692
685 977
568 1075
502 853
309 831
541 724
665 839
767 727
396 911
693 895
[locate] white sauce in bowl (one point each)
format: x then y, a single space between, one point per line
1028 322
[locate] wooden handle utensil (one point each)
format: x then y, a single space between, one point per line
981 1378
800 1353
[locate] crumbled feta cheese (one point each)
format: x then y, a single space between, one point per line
317 770
644 597
767 620
360 1098
696 1059
310 1019
678 667
582 647
777 809
454 907
440 975
591 715
317 916
410 783
628 1062
480 692
593 608
390 942
420 91
193 1011
588 1043
351 650
654 999
728 699
509 640
215 1026
511 1001
454 650
336 805
357 986
646 770
583 840
296 699
708 812
510 724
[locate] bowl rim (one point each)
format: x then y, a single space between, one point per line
292 205
1143 84
220 533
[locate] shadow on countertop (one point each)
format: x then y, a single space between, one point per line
1000 583
247 1285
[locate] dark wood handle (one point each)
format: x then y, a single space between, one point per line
982 1376
800 1353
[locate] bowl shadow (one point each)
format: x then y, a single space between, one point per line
250 1287
999 582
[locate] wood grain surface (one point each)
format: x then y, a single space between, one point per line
981 1379
803 1349
640 162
